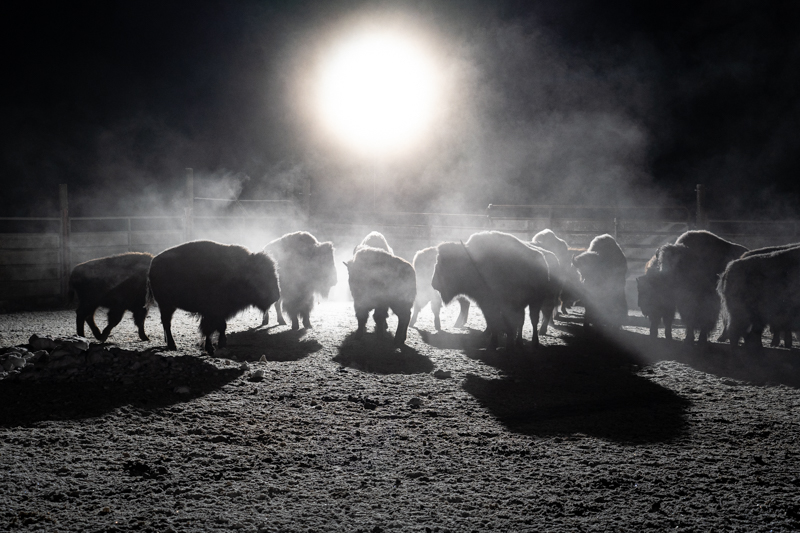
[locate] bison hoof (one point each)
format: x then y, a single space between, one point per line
144 338
359 333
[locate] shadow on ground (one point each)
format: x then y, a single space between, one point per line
465 339
165 381
587 387
376 353
759 367
286 345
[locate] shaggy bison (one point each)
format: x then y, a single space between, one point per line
374 239
759 290
305 267
567 274
603 268
691 268
501 273
424 263
381 281
214 280
655 298
119 283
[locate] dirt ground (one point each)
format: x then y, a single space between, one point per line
583 434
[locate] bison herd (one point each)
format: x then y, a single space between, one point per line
701 277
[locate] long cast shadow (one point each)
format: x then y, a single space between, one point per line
164 381
287 345
586 387
376 353
466 339
760 366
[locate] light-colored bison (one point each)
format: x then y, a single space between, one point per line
655 298
424 263
213 280
603 268
691 268
762 289
119 283
381 281
501 273
305 267
567 275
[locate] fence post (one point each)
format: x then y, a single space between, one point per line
188 222
63 201
701 220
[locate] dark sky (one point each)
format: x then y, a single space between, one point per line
568 102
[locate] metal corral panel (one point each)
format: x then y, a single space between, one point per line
14 290
168 238
29 241
30 272
29 257
99 239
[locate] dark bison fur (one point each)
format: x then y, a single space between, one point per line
424 262
213 280
500 273
603 268
655 298
119 283
691 269
381 281
762 290
305 267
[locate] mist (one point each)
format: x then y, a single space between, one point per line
548 104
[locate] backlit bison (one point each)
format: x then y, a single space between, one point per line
501 273
655 298
603 267
762 290
118 283
691 268
381 281
567 274
213 280
424 263
305 267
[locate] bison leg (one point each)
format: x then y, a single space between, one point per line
279 312
668 326
548 308
415 313
166 321
305 314
379 316
463 314
207 328
139 317
115 315
265 318
776 337
654 327
295 323
362 314
403 319
85 314
223 339
436 307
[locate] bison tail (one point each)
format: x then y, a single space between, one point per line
149 298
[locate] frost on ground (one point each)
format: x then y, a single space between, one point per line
317 431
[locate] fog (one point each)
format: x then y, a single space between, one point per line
555 104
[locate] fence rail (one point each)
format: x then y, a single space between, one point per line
37 253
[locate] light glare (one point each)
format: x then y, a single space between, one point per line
377 92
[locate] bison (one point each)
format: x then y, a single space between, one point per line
567 274
119 283
424 263
381 281
213 280
603 268
501 273
762 289
375 239
305 267
691 268
655 298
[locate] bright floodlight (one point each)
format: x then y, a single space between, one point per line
377 92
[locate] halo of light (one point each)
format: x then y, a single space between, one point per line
377 92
